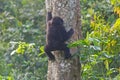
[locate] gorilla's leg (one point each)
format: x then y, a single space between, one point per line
66 50
48 52
67 53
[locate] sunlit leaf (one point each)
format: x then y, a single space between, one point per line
13 52
41 50
106 63
95 47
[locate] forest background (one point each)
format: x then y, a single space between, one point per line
22 39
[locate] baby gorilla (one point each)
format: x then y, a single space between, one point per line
56 36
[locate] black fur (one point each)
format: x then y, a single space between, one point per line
56 36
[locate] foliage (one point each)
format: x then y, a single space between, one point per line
22 35
100 50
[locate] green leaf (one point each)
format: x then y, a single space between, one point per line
106 63
41 50
95 47
24 2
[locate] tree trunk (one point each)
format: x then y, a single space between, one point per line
69 11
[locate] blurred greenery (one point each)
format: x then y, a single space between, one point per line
22 39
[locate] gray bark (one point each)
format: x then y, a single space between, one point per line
69 11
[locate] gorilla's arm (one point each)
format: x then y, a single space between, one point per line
64 35
69 33
49 16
